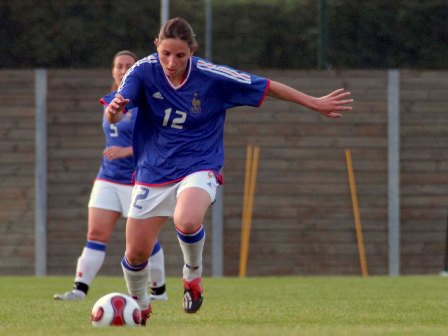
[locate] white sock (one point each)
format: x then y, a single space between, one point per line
157 268
192 246
90 262
136 277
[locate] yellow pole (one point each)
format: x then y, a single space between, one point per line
351 178
250 202
243 249
249 191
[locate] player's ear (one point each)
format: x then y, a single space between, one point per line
156 42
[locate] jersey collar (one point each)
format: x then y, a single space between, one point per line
185 79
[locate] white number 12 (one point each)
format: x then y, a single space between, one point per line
177 122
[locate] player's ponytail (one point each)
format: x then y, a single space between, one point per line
179 28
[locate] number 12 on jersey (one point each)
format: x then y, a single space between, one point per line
178 119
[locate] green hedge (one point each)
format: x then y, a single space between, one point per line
246 34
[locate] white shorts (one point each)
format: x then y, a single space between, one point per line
111 196
161 201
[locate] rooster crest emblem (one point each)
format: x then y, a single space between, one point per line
196 104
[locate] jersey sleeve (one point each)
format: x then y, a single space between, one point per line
234 87
131 87
242 88
105 100
251 93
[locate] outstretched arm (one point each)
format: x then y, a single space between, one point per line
114 110
331 105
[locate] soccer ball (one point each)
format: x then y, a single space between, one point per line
116 309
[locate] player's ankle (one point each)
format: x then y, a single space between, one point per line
81 286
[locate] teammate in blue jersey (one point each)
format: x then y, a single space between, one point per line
178 146
111 197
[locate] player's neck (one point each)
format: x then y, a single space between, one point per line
178 80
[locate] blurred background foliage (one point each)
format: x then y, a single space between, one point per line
280 34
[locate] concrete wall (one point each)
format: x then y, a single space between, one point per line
302 220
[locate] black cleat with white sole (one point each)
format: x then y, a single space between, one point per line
193 295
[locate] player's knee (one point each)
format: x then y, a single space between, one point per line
187 221
188 225
98 235
136 257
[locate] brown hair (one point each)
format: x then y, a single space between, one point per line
178 28
121 53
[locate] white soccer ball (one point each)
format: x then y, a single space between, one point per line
116 309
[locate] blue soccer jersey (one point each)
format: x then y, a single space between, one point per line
119 134
179 130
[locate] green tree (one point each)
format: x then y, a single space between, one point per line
247 34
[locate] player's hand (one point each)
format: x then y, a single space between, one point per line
333 104
115 152
117 104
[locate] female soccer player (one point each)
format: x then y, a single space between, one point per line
178 145
111 197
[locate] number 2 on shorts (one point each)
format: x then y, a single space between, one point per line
139 197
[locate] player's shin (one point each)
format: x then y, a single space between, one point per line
90 262
157 267
192 246
136 277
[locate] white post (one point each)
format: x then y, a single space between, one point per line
164 11
41 172
217 208
393 105
217 235
208 29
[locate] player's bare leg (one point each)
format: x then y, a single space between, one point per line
141 237
192 204
101 224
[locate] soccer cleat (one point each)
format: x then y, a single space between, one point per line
192 295
158 293
159 297
73 295
146 313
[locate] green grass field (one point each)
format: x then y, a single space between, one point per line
414 305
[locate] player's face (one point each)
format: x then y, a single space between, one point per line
122 64
173 55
